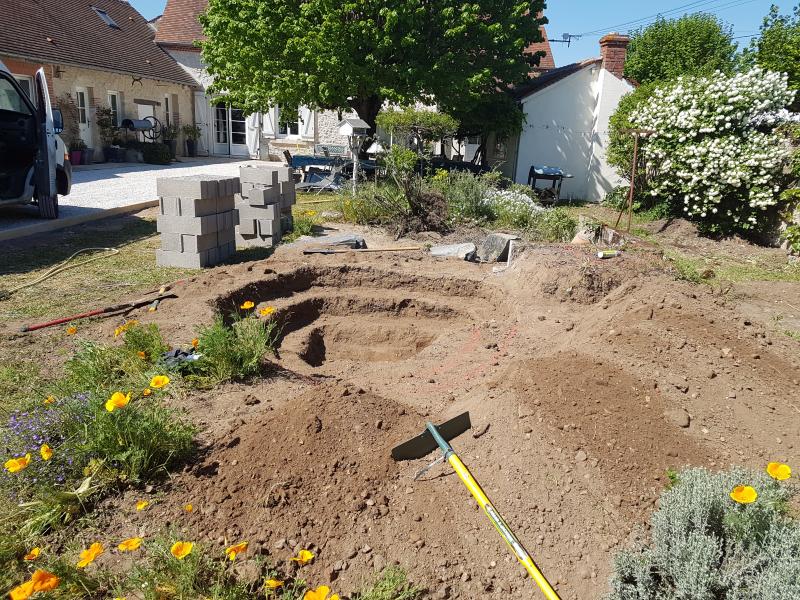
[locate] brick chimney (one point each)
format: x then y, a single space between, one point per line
613 48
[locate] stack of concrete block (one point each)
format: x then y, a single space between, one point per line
266 198
197 220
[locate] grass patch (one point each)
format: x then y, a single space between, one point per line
686 269
19 381
231 351
391 584
105 281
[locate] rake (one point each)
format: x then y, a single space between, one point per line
434 437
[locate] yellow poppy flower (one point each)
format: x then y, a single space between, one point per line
303 557
181 550
40 581
142 504
159 381
273 584
33 554
744 494
49 400
15 465
321 593
117 400
232 551
72 330
247 305
46 452
141 354
195 343
89 555
188 508
22 592
130 544
146 392
266 311
779 471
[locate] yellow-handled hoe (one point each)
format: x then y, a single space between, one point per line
434 437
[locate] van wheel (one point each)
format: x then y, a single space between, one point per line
48 207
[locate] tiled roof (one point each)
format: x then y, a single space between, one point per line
546 62
70 32
180 26
547 79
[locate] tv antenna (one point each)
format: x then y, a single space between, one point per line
566 38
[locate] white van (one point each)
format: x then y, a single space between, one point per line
34 166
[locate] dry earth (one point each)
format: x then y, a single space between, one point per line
585 380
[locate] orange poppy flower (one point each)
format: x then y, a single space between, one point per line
46 452
188 508
321 593
89 555
146 392
130 544
33 554
117 400
72 330
159 381
247 305
15 465
141 354
142 504
744 494
779 471
273 584
232 551
49 400
266 311
181 550
303 557
195 343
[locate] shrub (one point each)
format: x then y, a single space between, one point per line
515 207
373 204
719 160
156 153
552 225
704 545
466 196
231 352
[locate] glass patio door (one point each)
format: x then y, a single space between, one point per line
230 131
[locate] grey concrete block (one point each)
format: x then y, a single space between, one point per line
285 174
495 247
225 203
257 174
225 220
263 195
188 186
226 236
464 251
256 241
171 242
269 227
186 260
169 206
245 211
197 207
287 223
227 250
188 225
248 226
198 243
228 186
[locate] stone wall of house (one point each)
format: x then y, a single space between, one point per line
133 92
328 127
27 68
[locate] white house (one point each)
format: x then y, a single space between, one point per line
567 113
225 129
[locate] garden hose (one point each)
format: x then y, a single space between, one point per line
60 268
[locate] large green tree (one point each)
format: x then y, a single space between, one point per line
696 44
356 54
778 46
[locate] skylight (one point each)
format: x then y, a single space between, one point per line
106 17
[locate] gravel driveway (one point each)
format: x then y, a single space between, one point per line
112 185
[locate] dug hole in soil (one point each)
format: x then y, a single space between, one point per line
586 380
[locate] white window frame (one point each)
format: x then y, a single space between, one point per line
167 110
116 114
280 126
85 108
29 79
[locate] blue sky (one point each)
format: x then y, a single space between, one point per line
585 16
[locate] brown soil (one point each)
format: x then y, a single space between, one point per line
585 380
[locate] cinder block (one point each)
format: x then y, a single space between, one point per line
269 227
288 193
226 236
285 174
229 186
225 220
225 203
188 186
257 174
263 195
198 243
169 206
255 241
171 242
286 210
197 207
188 225
248 226
287 223
227 250
245 211
186 260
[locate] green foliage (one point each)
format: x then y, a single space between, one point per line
156 153
685 268
105 124
778 47
620 146
694 44
466 196
191 132
704 545
427 125
146 339
551 225
373 204
231 352
342 56
303 223
792 235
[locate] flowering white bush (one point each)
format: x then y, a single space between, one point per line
714 149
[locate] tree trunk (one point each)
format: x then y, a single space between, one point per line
367 108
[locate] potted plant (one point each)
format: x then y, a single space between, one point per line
171 139
76 148
192 134
107 129
87 156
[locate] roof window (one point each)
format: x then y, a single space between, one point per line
106 17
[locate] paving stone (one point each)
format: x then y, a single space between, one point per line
248 226
198 243
285 174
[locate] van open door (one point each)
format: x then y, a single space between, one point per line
45 166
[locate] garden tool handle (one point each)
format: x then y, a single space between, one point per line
488 508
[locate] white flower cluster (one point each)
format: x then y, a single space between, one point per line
709 148
512 201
